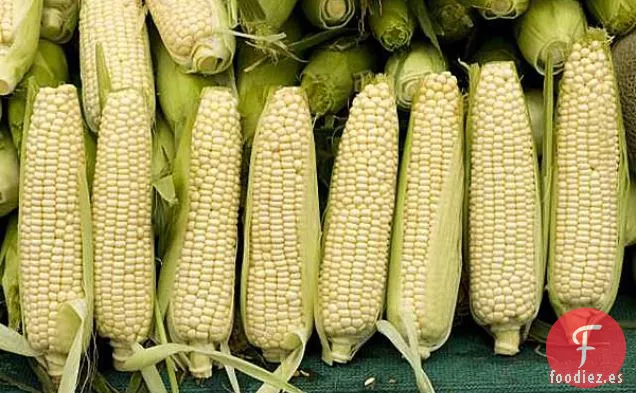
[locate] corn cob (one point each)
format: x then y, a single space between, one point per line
282 231
196 33
114 54
357 226
504 209
59 20
122 200
199 270
49 69
589 182
53 221
19 32
425 259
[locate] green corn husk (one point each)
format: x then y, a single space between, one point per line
265 18
255 76
454 20
498 48
177 90
9 272
59 20
9 173
408 68
495 9
624 55
392 24
618 17
333 72
328 14
164 198
16 55
550 26
49 69
596 38
536 110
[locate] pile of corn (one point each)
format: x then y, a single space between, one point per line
174 172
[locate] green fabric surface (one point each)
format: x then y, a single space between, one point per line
465 364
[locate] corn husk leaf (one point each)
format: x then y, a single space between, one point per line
536 109
408 68
17 55
309 248
263 21
328 14
177 90
393 24
49 69
424 21
59 20
9 267
618 17
454 21
164 198
495 9
549 27
498 48
333 72
9 173
622 195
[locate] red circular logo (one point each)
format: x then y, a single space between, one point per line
585 349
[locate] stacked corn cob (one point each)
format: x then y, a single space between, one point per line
357 226
505 245
282 232
590 182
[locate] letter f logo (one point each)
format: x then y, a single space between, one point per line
584 347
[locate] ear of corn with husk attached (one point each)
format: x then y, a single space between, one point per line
357 224
197 33
19 32
329 14
425 265
54 237
282 232
114 54
196 285
505 247
589 182
122 222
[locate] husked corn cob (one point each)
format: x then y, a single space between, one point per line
122 220
425 263
196 33
50 221
116 30
19 33
200 313
59 19
589 182
282 231
357 226
504 211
